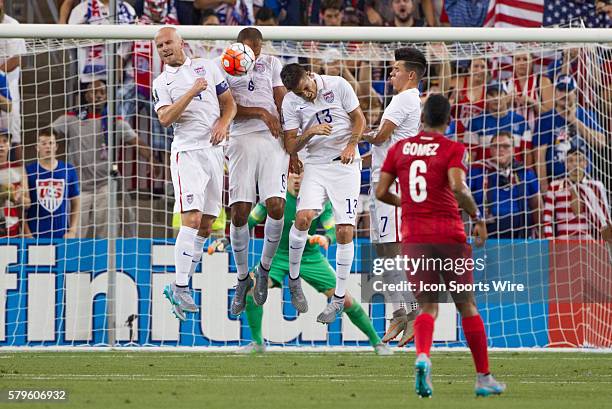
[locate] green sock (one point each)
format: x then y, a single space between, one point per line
361 320
254 314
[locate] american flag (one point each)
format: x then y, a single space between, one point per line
538 13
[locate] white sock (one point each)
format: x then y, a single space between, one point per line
272 234
297 242
345 254
183 254
198 249
239 236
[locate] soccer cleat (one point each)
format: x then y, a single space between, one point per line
408 334
260 293
298 300
397 324
382 350
487 385
331 311
239 300
181 300
252 348
422 381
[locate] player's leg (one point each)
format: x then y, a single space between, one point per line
423 339
476 337
342 186
242 191
272 163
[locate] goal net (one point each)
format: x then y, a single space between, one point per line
545 103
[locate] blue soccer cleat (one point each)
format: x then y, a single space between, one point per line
487 385
422 382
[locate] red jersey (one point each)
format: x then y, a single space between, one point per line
430 213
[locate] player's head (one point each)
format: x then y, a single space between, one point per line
208 17
170 45
331 12
565 94
436 113
402 10
252 37
95 94
5 144
295 182
502 150
576 164
497 98
265 17
409 67
299 81
47 144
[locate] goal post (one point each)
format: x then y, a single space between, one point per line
105 287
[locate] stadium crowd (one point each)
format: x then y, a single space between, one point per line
540 156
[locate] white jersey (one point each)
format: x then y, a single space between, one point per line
404 111
255 89
334 101
193 128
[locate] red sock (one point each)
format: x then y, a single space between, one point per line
476 337
423 333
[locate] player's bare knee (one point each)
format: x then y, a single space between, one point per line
240 213
303 218
275 207
205 227
191 219
344 233
430 308
467 309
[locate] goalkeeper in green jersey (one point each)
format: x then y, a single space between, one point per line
314 269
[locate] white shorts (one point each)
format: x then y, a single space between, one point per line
197 177
338 183
385 219
257 163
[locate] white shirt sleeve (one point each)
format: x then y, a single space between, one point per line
290 117
400 108
161 96
77 15
349 99
277 67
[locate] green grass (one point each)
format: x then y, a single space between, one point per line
304 380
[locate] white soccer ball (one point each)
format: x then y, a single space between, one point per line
238 59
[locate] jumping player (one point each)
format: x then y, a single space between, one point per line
431 170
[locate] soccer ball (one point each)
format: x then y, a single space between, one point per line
237 59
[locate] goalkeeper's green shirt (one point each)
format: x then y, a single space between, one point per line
325 220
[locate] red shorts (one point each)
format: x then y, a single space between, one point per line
437 270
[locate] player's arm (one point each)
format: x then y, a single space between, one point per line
5 104
294 142
382 190
383 134
257 215
456 180
169 114
228 112
358 122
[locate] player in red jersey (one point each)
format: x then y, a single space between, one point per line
431 170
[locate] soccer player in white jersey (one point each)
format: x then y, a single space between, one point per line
192 96
258 162
321 113
401 119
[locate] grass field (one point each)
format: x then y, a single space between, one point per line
304 380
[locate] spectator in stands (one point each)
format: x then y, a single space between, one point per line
331 13
576 207
464 13
497 118
230 12
11 50
6 104
467 92
86 132
54 193
183 10
567 126
92 60
506 191
404 15
209 49
532 93
13 187
381 12
265 17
